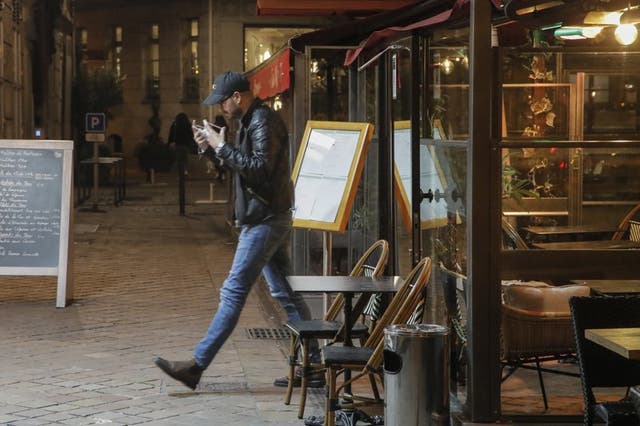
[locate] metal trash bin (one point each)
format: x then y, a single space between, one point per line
416 375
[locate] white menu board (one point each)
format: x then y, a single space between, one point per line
327 171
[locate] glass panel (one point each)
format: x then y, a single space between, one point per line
262 42
610 105
609 189
329 81
401 99
609 95
564 198
443 155
362 228
611 175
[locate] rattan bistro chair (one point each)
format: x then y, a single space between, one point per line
511 237
624 224
536 327
367 359
372 263
601 367
634 230
454 288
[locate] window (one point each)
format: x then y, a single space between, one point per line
116 55
191 65
84 38
153 79
261 43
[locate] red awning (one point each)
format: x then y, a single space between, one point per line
327 7
460 8
272 76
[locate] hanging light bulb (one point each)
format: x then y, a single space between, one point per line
626 34
602 18
447 66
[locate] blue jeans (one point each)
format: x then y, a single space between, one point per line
261 248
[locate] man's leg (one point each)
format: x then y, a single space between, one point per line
255 247
275 273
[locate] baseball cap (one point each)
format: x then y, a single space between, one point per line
225 84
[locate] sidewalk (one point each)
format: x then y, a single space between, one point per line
146 283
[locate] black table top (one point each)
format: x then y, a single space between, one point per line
612 286
343 283
589 245
569 229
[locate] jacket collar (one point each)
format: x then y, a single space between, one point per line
246 118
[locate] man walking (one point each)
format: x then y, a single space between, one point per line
264 198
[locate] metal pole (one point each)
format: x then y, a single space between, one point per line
95 175
327 243
181 189
483 213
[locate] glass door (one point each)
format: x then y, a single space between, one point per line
431 213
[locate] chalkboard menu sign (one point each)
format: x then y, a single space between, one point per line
30 197
35 202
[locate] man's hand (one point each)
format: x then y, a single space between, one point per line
206 136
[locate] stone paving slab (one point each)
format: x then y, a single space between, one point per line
146 283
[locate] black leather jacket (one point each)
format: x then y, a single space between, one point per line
261 162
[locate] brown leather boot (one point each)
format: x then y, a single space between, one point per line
187 372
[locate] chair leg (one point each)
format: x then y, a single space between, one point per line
293 360
331 399
304 349
544 393
374 387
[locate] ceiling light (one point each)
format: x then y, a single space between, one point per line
626 34
630 17
576 33
540 6
602 18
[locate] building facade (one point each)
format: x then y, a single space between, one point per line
36 45
167 53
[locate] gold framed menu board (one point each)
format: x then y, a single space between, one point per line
432 214
327 171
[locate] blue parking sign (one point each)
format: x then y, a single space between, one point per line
95 122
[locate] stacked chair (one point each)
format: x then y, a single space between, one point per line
601 367
372 263
366 360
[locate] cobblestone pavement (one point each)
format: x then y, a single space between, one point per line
146 283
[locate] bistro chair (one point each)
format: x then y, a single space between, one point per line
536 327
367 359
511 237
454 286
625 223
372 263
634 230
601 367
